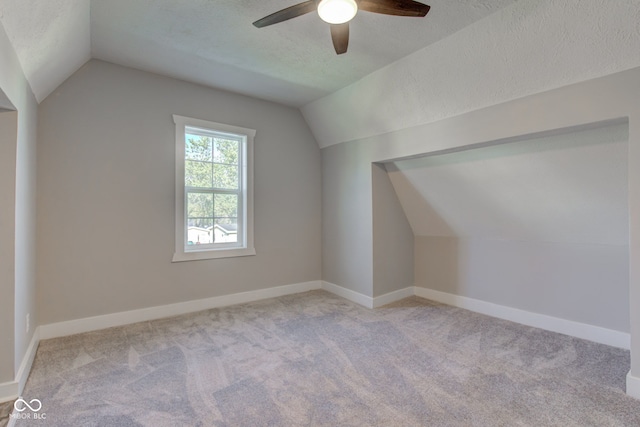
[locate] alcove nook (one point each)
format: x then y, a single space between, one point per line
540 224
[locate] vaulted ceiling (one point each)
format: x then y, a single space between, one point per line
212 42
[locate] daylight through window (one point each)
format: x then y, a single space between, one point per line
213 180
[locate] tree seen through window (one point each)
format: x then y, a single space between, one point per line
212 170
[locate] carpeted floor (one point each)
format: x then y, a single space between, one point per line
5 411
315 359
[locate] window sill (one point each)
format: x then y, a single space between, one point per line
212 254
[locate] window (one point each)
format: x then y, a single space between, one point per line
214 197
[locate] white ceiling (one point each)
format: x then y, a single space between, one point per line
563 188
51 38
212 42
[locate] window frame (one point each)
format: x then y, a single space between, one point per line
245 209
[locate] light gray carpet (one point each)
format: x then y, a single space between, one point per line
314 359
5 411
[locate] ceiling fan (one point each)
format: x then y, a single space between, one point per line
338 13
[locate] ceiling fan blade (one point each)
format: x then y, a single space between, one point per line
288 13
340 37
394 7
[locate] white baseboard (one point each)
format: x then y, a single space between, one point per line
549 323
9 391
345 293
365 300
633 386
394 296
12 390
27 361
95 323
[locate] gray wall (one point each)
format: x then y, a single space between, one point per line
367 243
540 224
18 95
106 195
25 297
347 221
587 283
392 236
8 138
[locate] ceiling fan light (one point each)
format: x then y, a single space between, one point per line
337 11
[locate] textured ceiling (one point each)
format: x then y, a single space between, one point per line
523 49
529 47
51 38
564 188
212 42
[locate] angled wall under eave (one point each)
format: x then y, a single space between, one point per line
540 225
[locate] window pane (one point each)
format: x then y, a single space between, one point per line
198 147
226 230
201 222
200 231
226 221
226 151
197 174
199 205
225 176
225 206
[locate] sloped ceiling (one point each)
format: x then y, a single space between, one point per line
51 38
563 188
212 42
523 49
5 103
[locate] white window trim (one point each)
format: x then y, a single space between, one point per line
210 253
